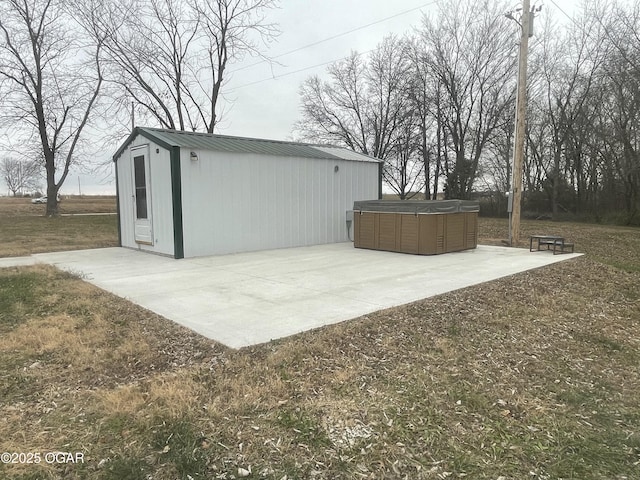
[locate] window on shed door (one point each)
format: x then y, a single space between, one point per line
141 187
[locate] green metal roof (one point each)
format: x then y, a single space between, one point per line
226 143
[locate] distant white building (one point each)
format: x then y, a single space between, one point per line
187 194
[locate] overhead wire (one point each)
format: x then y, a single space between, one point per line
338 35
590 35
313 44
580 27
276 77
568 16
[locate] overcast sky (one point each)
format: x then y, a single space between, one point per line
261 100
269 108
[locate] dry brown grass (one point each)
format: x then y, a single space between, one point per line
530 376
69 204
20 236
76 341
24 230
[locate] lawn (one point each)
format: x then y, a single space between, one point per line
24 229
531 376
69 204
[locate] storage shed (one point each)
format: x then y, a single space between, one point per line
186 194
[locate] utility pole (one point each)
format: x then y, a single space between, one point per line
521 109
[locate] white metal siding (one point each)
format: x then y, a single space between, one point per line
160 193
235 202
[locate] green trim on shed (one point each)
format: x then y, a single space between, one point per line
146 134
176 200
118 208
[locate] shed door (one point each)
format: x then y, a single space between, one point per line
141 196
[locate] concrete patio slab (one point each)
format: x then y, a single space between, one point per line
17 261
251 298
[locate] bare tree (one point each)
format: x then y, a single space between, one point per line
20 176
403 168
583 146
469 52
498 155
619 107
366 106
51 79
170 56
338 111
232 29
424 98
571 65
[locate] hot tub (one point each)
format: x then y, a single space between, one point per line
427 227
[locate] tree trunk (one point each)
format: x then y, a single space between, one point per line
52 188
52 201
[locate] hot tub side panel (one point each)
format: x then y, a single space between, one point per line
471 229
431 234
423 234
387 231
454 232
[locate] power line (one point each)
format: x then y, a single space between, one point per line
276 77
567 15
333 37
593 37
580 27
573 20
